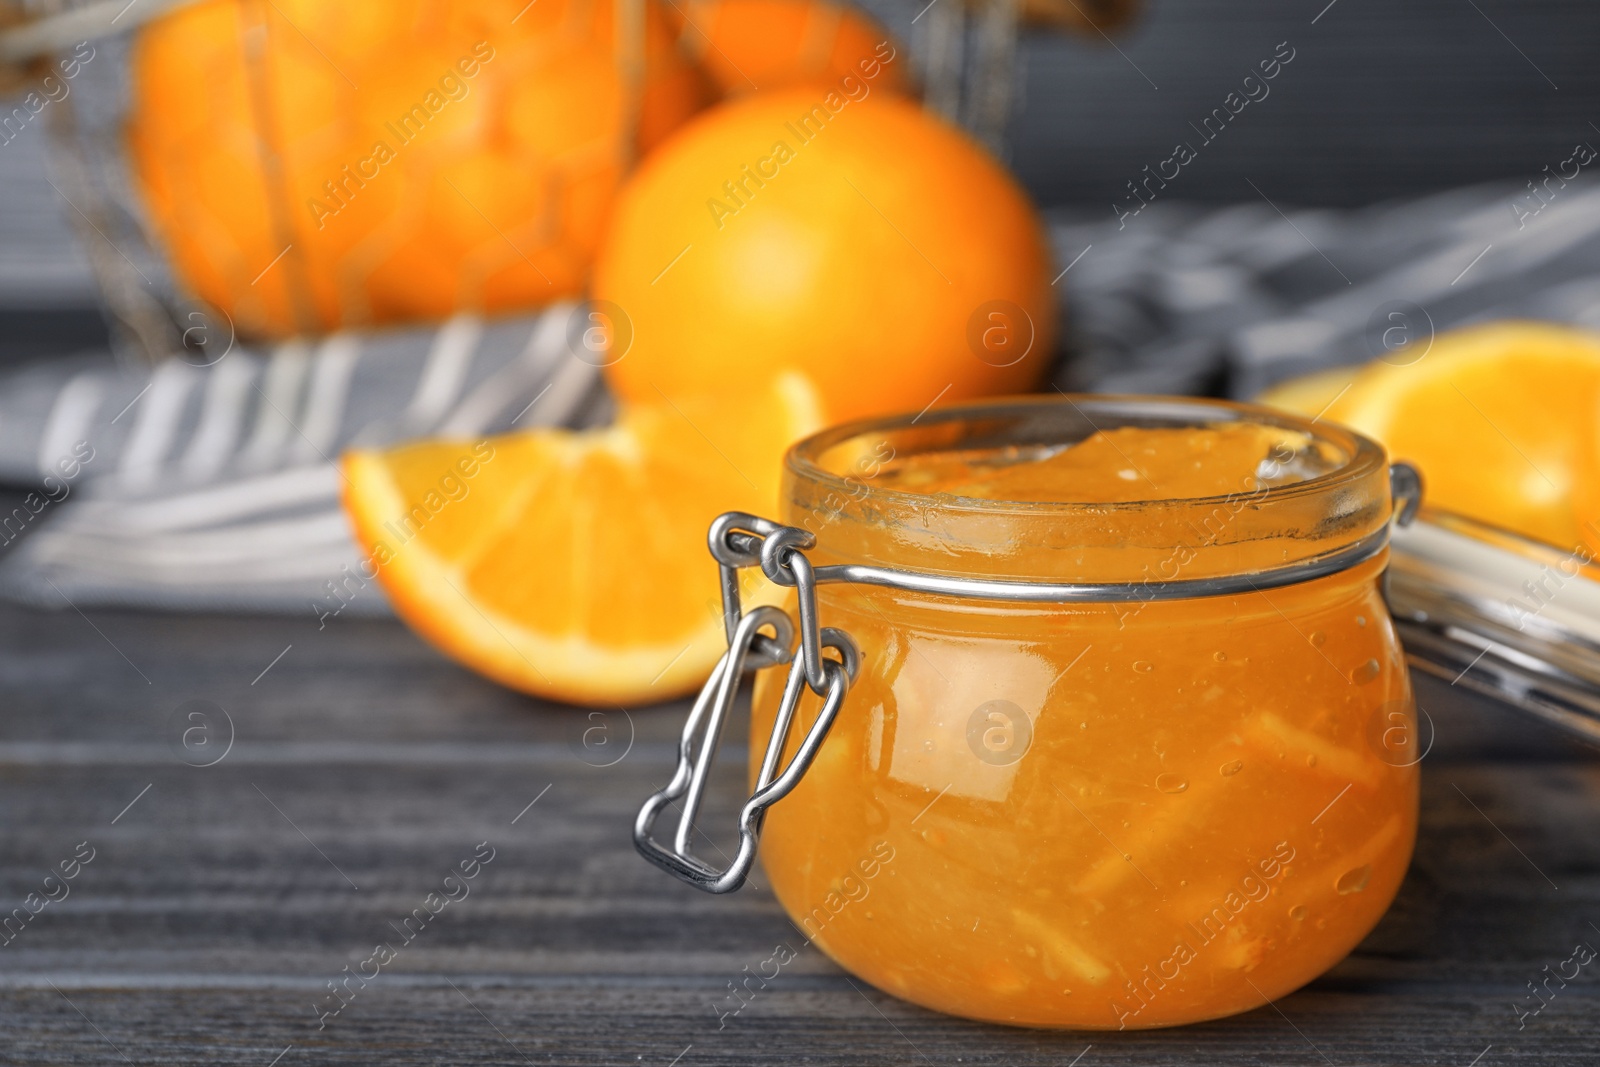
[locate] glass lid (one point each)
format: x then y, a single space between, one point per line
1502 615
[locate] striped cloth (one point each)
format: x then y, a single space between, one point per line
213 488
216 488
1192 299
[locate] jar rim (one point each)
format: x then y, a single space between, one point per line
1363 456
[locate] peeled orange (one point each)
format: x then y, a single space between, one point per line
310 165
863 244
1499 418
745 45
573 564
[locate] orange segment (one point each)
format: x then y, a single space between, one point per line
573 564
1499 418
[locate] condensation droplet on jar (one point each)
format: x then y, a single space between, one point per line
1365 673
1353 881
1220 657
1318 638
1171 783
928 746
1143 666
1297 912
1231 768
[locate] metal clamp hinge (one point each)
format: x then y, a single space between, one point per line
757 639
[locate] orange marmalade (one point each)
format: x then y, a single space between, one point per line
1116 813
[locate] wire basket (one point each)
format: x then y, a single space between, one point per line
78 57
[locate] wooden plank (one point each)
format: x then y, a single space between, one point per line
217 908
825 1024
210 858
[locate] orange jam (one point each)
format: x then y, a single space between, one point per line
1101 814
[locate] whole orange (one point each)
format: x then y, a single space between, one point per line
745 45
310 165
862 243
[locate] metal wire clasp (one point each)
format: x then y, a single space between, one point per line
757 639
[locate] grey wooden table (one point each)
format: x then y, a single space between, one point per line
221 901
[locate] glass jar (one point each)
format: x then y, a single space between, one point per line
1180 785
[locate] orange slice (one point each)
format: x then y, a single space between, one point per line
1499 418
573 565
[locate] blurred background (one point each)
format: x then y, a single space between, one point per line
1232 197
1383 101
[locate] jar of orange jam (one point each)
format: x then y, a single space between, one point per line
1097 717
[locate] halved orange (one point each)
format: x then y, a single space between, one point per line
573 565
1499 418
